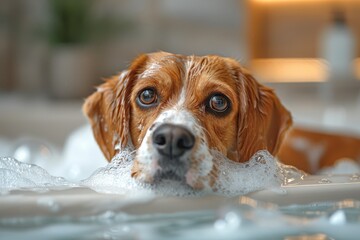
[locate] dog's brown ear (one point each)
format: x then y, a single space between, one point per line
262 121
108 114
109 109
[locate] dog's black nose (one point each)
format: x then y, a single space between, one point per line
172 140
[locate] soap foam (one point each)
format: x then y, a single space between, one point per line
116 178
16 175
262 171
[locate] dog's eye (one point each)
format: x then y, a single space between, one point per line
218 103
147 97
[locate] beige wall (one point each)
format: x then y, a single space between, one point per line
188 27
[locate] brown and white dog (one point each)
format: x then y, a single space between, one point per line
173 109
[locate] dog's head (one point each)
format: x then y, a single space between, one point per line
174 109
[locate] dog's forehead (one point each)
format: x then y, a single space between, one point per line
163 66
186 68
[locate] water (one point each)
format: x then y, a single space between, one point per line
249 219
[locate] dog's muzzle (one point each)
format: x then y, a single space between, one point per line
173 142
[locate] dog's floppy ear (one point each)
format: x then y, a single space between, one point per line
262 121
108 110
108 114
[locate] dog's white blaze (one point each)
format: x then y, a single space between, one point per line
189 63
180 104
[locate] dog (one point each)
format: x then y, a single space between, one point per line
173 109
314 150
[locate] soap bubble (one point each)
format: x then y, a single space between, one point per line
325 180
346 211
79 151
229 219
338 218
35 151
118 232
48 203
291 175
355 177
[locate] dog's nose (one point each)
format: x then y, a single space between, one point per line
172 140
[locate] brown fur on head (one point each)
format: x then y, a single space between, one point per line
255 118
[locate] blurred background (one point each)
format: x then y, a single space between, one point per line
53 53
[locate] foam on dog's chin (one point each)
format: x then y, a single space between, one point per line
116 178
261 172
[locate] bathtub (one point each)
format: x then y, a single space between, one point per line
82 201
